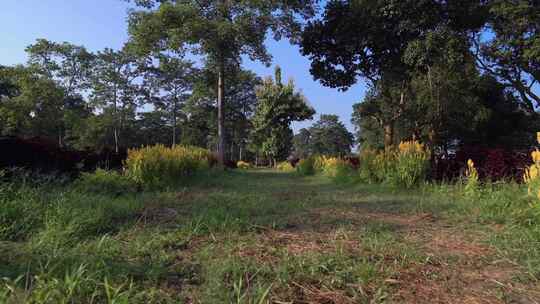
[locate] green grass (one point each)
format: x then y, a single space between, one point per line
261 236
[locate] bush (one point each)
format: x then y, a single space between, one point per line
532 175
105 181
471 185
159 165
306 166
337 169
412 163
406 166
243 165
367 170
285 166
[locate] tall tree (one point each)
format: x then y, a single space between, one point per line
115 90
278 106
221 30
509 48
368 39
69 66
171 83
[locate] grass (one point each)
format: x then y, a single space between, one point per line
261 236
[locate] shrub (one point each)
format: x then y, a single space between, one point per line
471 185
406 166
306 166
367 170
384 165
532 175
337 169
285 166
243 165
105 181
157 165
411 163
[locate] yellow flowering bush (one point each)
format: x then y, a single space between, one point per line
285 166
471 174
532 174
243 165
406 165
412 163
156 165
384 166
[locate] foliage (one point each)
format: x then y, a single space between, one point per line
221 31
532 174
279 105
159 165
412 163
243 165
328 136
285 167
472 182
306 166
104 181
367 170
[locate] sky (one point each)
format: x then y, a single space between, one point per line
97 24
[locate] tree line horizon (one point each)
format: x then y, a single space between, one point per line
446 73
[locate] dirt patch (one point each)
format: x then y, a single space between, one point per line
157 215
271 243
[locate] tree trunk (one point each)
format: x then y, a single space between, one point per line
116 149
240 153
174 123
388 135
221 118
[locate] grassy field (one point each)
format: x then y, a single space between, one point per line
261 236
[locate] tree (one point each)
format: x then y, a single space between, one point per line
302 144
32 105
330 137
369 39
510 51
171 83
69 67
114 89
278 106
221 30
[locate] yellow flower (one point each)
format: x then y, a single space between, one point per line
470 163
538 137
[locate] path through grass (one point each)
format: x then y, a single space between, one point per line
262 236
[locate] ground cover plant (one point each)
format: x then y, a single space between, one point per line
268 236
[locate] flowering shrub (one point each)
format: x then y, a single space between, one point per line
384 165
491 163
337 169
471 174
156 165
243 165
405 166
306 166
411 163
532 174
285 166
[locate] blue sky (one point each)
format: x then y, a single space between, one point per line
97 24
